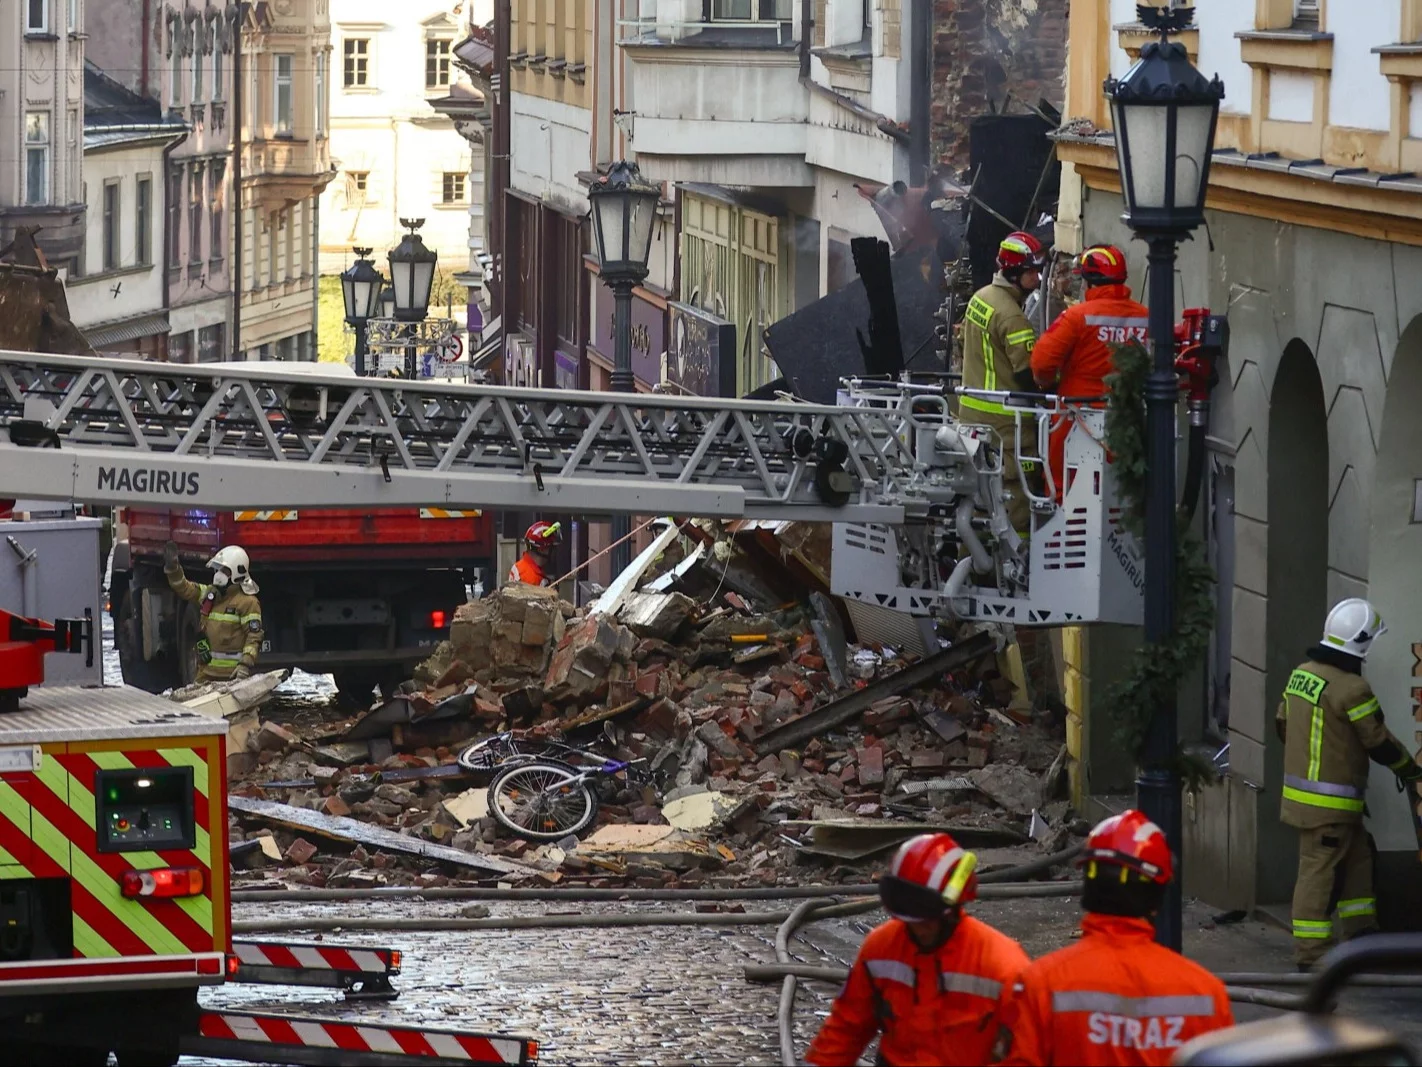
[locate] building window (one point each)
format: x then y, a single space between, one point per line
175 83
566 298
36 16
321 101
217 181
357 181
36 157
218 86
195 198
282 98
112 189
437 64
175 217
752 10
72 131
210 347
197 77
454 187
272 228
180 347
73 16
143 219
357 57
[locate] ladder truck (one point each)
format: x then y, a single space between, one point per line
921 530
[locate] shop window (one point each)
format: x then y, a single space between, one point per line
571 255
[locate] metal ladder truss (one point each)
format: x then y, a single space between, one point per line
112 431
256 1037
363 972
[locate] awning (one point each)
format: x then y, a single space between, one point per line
492 347
131 329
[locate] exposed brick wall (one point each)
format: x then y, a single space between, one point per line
984 50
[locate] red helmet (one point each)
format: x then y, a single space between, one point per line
920 884
544 535
1102 265
1019 251
1132 841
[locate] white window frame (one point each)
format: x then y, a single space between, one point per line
42 144
448 61
322 93
461 178
111 231
36 27
284 81
718 15
369 57
74 16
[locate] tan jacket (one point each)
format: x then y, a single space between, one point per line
231 623
1332 725
997 346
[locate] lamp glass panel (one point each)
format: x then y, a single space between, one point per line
360 298
423 281
641 224
1192 147
1145 126
350 297
400 281
611 208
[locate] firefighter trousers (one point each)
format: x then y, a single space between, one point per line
1335 874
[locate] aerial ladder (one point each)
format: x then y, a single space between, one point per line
916 496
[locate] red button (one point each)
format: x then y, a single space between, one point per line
123 824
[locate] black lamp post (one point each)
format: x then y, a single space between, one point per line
1164 112
412 271
624 212
360 289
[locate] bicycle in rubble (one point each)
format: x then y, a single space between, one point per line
545 790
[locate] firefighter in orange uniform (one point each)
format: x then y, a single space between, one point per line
1073 357
930 978
540 540
1115 997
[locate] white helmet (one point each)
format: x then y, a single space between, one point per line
1352 627
232 565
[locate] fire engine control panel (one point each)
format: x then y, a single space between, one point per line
144 809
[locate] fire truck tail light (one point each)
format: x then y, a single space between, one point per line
164 883
395 962
437 619
233 966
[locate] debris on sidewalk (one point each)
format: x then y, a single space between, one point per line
772 739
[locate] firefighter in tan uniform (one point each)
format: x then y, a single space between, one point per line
1331 726
997 355
230 626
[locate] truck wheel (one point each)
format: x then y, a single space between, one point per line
155 675
34 1055
187 642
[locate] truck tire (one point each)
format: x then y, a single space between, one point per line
153 675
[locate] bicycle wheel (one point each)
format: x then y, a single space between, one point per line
492 754
542 800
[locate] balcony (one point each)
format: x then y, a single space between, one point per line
724 102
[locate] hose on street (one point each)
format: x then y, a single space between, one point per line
1007 875
786 1014
1010 891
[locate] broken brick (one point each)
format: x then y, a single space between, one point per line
300 852
871 765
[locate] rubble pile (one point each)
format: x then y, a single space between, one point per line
701 696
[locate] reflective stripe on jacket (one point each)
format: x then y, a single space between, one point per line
933 1007
229 619
1331 721
997 346
1114 997
526 570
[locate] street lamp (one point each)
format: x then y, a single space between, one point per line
360 289
387 303
624 211
1164 112
412 270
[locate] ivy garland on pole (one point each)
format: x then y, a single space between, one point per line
1156 673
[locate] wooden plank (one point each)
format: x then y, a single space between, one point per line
351 830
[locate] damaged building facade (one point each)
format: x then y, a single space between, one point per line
1313 250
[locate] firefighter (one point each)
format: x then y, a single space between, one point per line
1331 725
929 978
540 540
1073 357
1115 996
230 616
997 355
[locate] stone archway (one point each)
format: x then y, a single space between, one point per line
1297 581
1395 588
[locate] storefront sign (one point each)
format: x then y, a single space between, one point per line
520 362
649 337
702 355
565 369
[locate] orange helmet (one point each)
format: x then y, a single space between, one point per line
1131 842
1102 265
544 535
1019 251
924 881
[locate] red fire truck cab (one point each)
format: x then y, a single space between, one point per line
362 595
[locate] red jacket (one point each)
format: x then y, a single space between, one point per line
1113 998
933 1007
528 571
1073 357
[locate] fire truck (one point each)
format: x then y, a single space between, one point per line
360 593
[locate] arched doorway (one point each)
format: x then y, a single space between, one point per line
1395 588
1297 584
